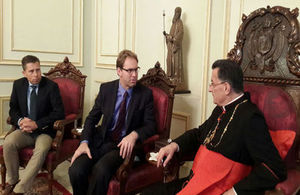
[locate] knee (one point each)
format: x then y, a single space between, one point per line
76 173
9 143
43 143
101 172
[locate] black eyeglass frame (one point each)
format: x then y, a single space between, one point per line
131 70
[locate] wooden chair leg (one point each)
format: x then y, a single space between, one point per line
50 181
3 174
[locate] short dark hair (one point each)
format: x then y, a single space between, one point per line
122 57
230 72
29 59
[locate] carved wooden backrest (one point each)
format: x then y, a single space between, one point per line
163 94
268 47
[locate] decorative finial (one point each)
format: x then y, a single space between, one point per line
66 60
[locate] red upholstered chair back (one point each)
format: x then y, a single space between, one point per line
281 115
163 96
267 48
277 106
70 93
71 84
161 104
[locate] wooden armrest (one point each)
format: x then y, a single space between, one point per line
59 126
8 121
61 123
122 172
160 144
274 192
76 134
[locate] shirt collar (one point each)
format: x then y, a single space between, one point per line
122 90
30 84
232 101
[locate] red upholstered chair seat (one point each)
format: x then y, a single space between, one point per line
139 177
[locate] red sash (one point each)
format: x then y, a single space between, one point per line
213 173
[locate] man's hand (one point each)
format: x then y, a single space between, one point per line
230 192
82 149
127 143
28 125
168 152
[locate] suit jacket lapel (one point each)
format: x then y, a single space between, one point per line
24 102
131 107
40 93
112 103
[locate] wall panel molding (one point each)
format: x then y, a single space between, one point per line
205 79
7 79
100 81
112 33
4 108
180 123
54 34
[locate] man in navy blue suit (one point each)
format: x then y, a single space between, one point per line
126 109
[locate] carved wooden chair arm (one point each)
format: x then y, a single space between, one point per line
13 127
122 172
274 192
59 126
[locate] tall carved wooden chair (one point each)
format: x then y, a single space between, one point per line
133 176
71 84
268 49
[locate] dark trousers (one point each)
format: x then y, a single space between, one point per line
92 176
170 188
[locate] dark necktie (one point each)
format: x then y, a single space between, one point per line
33 103
116 133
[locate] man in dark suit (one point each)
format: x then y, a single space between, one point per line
126 109
35 104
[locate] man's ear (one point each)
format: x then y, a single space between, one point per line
119 71
23 72
227 88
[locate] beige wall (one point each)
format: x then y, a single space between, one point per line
92 32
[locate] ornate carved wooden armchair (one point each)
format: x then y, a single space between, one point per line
268 49
71 84
133 176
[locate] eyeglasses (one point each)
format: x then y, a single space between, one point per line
215 85
131 70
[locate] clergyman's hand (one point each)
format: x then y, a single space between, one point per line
82 149
168 152
127 143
